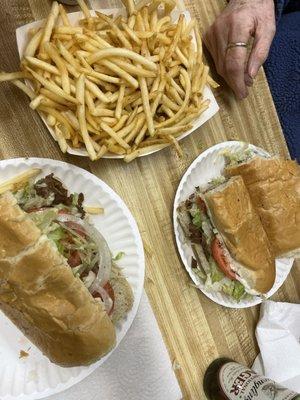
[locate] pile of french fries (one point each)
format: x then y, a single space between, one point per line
124 85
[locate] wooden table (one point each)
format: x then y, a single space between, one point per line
195 329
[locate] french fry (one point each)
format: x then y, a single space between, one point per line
68 30
52 87
123 74
132 34
120 124
212 83
120 35
149 149
60 139
30 93
146 105
185 102
80 86
33 44
51 121
119 106
84 9
129 4
42 65
54 55
94 210
56 98
63 15
11 76
167 111
36 102
19 181
96 91
119 52
114 135
72 119
51 20
58 117
203 79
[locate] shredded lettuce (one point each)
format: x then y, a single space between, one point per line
56 236
238 157
199 273
44 218
216 281
118 256
234 289
197 219
217 181
238 290
216 274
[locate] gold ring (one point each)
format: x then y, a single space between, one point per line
237 44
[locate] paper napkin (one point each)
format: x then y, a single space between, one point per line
139 369
278 337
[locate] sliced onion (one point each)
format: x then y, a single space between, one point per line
89 279
105 263
97 288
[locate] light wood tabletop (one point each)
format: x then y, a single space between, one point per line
195 329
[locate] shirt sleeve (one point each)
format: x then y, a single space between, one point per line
280 6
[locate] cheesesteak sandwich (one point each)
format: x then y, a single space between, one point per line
274 188
231 249
58 282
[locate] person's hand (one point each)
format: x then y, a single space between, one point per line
240 20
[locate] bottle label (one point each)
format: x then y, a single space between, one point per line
238 382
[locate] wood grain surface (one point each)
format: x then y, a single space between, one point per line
195 329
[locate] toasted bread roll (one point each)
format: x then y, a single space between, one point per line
40 294
274 188
123 295
239 225
17 232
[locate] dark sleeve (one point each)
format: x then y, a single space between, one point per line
280 6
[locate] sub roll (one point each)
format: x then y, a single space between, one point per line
231 248
56 284
274 188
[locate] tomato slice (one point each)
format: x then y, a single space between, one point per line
219 257
110 291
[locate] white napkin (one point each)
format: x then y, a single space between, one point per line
278 337
139 369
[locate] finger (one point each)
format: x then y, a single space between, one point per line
235 60
216 41
260 49
248 79
211 46
220 41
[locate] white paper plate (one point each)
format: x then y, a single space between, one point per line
36 377
22 35
207 166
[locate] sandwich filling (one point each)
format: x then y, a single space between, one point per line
212 263
61 217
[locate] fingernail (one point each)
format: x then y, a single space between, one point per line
242 95
253 71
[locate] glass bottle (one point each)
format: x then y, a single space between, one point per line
227 380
